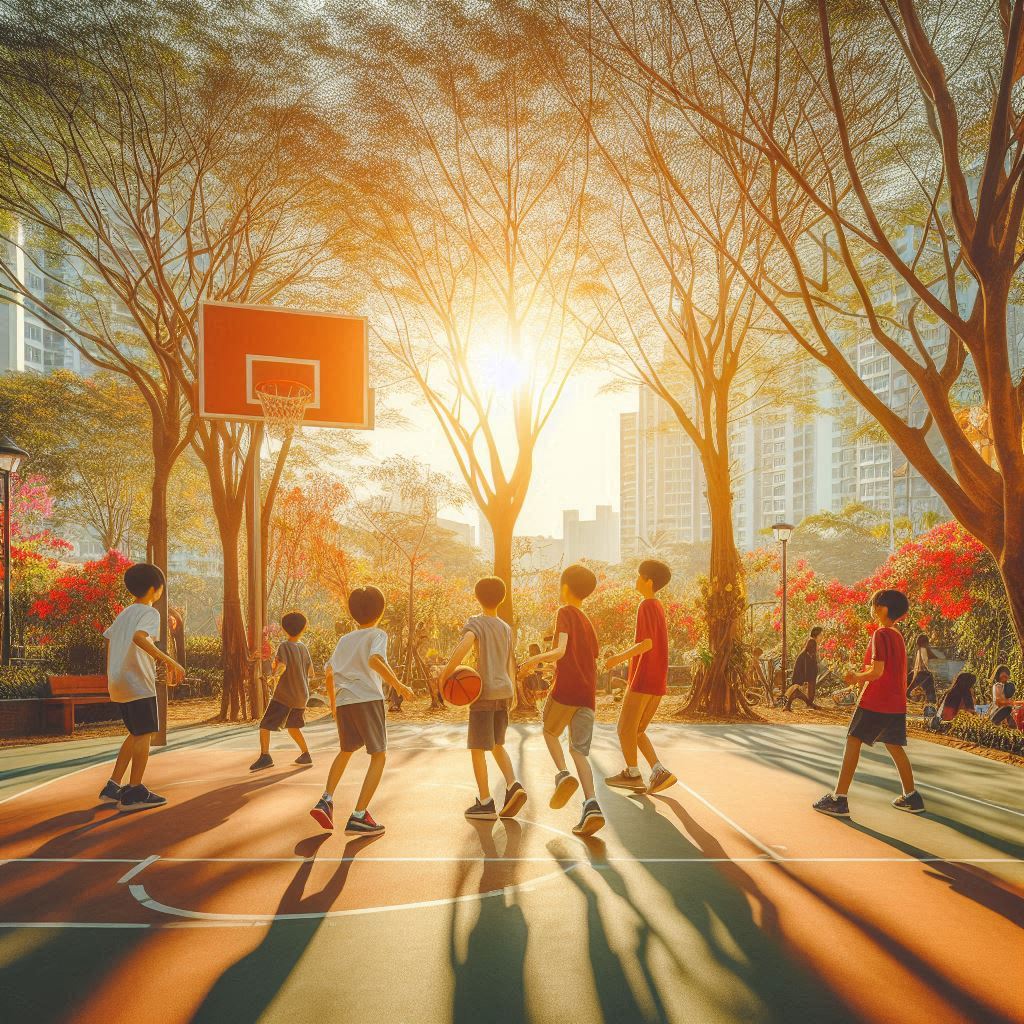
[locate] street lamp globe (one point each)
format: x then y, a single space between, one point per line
11 456
782 531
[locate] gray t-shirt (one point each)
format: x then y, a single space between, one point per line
494 644
292 688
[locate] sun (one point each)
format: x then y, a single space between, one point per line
501 367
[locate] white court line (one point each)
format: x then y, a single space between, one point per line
141 866
973 799
56 778
767 850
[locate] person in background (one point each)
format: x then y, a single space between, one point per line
959 697
1001 710
805 672
920 674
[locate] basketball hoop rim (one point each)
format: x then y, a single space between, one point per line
296 389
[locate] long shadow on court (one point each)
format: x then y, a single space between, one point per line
737 968
245 990
488 981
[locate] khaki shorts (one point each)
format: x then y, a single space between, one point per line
362 725
488 722
580 722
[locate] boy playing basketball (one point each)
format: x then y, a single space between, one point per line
356 675
132 655
882 709
572 699
488 716
290 669
648 683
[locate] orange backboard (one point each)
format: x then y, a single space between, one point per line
240 346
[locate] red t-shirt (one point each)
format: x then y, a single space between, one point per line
648 673
576 671
887 693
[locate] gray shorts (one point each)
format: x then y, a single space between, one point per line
579 720
488 721
362 725
280 716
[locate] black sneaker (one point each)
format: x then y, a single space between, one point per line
364 826
591 821
323 814
111 793
515 798
913 803
565 786
481 811
305 758
138 798
834 806
261 762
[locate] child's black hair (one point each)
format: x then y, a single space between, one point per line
366 605
293 623
534 649
816 631
580 580
140 578
922 640
490 591
893 601
657 572
1000 669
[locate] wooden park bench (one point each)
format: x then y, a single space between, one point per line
67 692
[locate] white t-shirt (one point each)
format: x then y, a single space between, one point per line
354 681
131 672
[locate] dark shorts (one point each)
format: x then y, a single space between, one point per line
869 726
488 722
362 725
140 716
280 716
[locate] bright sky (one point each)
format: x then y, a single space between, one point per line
576 464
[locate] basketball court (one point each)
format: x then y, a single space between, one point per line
724 899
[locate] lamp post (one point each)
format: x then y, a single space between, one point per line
782 532
11 457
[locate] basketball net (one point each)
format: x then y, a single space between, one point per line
284 406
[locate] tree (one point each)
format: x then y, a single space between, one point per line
682 317
401 513
897 129
468 191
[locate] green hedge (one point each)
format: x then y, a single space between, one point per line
203 652
980 730
18 681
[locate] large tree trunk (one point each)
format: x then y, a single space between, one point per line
235 660
716 692
502 529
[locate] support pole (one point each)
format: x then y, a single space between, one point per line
6 651
785 639
256 568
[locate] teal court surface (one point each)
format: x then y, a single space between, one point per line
724 899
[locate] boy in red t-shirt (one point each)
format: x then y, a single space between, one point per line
571 702
648 683
882 709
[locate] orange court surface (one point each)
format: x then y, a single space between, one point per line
724 899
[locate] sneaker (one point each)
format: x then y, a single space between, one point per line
305 758
364 826
111 793
323 814
661 778
912 803
565 786
138 798
591 821
836 806
481 811
261 762
515 798
624 780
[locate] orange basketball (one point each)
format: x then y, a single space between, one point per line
462 687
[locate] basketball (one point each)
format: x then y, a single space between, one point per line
462 687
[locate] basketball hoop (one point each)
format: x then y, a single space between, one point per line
284 406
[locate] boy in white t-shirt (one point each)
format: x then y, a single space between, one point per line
356 674
132 655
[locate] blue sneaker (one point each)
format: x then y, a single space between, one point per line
138 798
833 806
110 793
323 814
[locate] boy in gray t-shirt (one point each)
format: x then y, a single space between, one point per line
291 668
488 717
